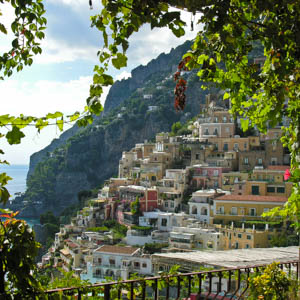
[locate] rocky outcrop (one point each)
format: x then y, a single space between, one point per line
121 90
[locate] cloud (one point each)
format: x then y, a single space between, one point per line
44 96
38 99
69 36
123 75
148 44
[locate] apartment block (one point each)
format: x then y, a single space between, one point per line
229 208
119 262
201 204
195 238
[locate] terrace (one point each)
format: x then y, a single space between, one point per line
229 283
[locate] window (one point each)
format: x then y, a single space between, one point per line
164 222
204 172
216 146
225 148
260 161
144 265
239 235
166 204
245 145
216 173
197 156
281 190
247 246
99 261
246 161
249 237
216 131
227 129
206 131
255 189
252 211
98 272
266 209
172 204
270 189
204 211
234 211
274 161
236 146
224 119
112 262
221 209
136 265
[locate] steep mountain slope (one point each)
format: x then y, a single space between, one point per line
135 110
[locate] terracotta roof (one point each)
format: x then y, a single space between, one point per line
117 249
65 252
278 168
255 198
71 244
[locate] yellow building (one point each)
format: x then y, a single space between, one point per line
230 208
231 178
241 238
269 182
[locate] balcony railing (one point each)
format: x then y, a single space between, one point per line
231 283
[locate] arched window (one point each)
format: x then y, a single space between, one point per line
194 210
204 211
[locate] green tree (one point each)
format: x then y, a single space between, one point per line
176 127
262 93
135 209
48 217
18 249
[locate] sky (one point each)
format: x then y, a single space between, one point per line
59 78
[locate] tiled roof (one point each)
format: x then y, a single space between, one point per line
255 198
278 168
65 252
117 249
71 244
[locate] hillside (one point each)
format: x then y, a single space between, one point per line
135 110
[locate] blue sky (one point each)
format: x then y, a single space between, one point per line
59 78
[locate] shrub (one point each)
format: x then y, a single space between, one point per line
272 284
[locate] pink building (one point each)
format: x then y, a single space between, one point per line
207 177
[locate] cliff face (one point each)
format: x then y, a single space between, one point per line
81 159
165 63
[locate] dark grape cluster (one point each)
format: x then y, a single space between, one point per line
180 88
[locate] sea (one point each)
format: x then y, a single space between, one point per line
18 183
18 173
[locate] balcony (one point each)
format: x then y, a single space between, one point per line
230 283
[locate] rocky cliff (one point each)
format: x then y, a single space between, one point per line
82 159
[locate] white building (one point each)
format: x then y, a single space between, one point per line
119 262
195 238
201 203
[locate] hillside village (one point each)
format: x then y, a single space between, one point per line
206 190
